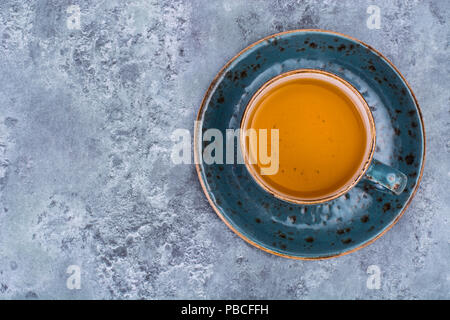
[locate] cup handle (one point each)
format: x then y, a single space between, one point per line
385 177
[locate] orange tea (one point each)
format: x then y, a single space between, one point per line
325 134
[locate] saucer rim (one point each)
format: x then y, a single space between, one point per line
199 123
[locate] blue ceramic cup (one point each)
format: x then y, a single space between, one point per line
382 176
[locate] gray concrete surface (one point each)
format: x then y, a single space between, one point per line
85 171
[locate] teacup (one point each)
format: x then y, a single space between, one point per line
322 139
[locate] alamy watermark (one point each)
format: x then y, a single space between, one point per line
374 19
374 280
73 21
73 282
219 147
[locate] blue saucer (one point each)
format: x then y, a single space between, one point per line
336 227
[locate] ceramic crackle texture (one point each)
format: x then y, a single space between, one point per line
87 114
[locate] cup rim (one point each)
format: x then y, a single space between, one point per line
348 185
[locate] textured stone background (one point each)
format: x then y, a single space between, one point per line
85 170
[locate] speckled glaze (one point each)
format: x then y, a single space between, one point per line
339 226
